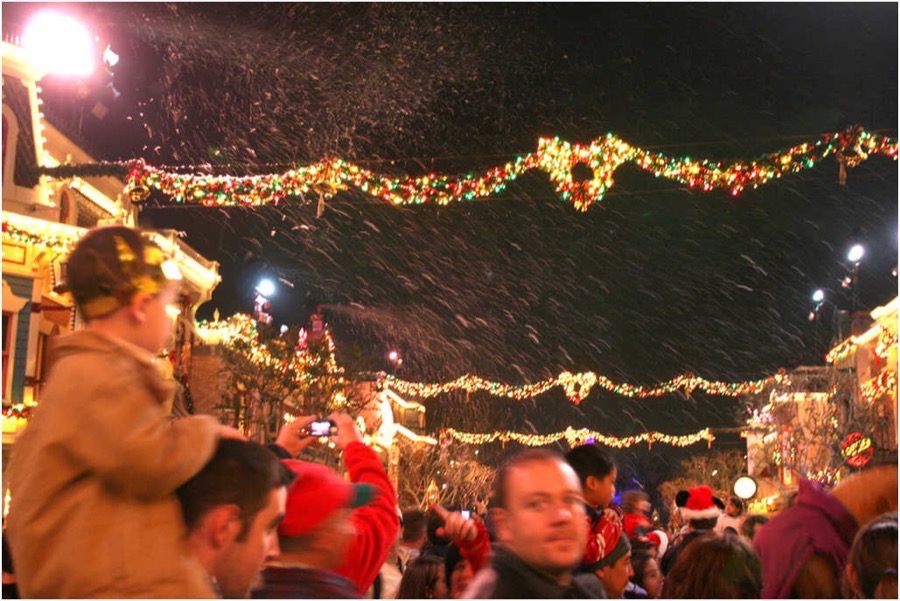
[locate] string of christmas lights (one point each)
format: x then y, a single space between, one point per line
555 157
580 436
878 386
887 341
58 243
579 385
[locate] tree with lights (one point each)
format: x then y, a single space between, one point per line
444 473
800 429
271 373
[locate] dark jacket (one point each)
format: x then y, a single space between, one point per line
668 560
283 582
509 578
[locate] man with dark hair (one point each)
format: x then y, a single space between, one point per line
541 528
414 535
232 509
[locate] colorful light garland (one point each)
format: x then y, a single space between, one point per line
887 341
575 437
55 240
555 157
579 385
881 384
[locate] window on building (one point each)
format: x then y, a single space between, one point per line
5 134
7 321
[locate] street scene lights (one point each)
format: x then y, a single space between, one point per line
395 359
266 287
59 44
261 305
745 487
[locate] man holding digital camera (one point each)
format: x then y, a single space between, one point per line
336 533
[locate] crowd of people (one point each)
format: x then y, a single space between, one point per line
113 498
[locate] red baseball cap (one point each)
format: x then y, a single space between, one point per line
316 494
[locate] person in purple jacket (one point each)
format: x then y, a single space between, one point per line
804 548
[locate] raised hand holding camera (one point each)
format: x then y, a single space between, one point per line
346 430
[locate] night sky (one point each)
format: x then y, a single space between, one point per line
650 283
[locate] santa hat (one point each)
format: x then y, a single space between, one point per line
660 540
698 503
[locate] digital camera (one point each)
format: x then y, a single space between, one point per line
323 427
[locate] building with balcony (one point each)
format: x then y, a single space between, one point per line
42 218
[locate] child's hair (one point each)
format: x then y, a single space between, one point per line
420 578
112 263
589 460
874 557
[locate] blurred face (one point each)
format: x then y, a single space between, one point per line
544 522
460 579
334 536
731 509
602 490
615 577
653 579
158 313
238 570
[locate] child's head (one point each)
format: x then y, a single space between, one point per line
125 283
597 473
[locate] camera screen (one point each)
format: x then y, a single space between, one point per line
322 428
466 513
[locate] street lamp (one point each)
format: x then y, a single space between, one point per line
59 44
745 487
266 287
855 254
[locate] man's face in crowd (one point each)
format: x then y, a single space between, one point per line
615 577
544 521
238 573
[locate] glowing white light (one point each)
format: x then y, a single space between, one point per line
856 253
393 356
110 57
59 44
818 296
745 487
266 287
170 270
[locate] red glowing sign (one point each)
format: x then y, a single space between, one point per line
857 449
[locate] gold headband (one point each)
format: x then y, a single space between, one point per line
160 271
